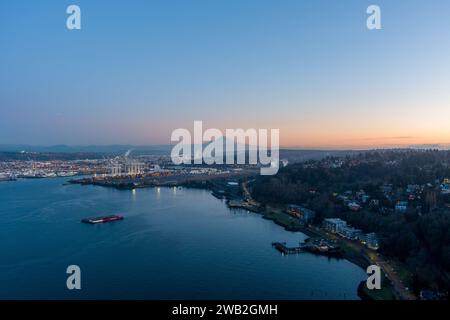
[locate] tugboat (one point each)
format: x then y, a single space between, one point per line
102 219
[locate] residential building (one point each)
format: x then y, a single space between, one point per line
303 214
370 240
401 206
340 227
349 232
334 224
354 206
412 188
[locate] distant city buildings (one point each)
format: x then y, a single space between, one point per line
284 162
116 170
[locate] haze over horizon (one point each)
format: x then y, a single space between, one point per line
137 71
107 148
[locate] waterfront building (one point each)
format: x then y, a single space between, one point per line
340 227
303 214
333 224
349 232
370 240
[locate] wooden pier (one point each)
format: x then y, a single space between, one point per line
281 246
318 249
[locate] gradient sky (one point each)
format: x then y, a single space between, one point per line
139 69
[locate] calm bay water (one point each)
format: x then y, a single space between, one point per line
173 244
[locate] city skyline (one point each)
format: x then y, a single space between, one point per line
134 73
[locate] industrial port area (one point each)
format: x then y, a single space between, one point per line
120 171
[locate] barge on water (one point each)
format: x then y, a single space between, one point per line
102 219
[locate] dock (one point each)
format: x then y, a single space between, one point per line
281 246
318 247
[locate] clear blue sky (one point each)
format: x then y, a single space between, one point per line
139 69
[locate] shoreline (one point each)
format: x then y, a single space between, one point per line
271 214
